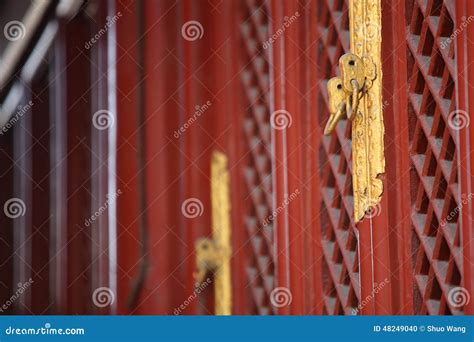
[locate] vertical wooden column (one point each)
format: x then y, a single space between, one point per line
103 183
293 130
128 243
6 233
180 77
22 193
465 98
313 133
78 142
166 286
41 295
387 221
153 295
58 192
226 112
396 202
279 152
233 140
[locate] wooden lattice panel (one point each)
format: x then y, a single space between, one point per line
257 172
435 193
340 258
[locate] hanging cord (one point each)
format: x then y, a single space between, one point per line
138 282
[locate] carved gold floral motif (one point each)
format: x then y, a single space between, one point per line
368 161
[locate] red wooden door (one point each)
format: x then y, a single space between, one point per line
296 248
185 86
406 256
55 161
426 133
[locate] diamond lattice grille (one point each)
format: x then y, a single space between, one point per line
434 186
257 172
340 258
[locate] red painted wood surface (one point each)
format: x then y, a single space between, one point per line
200 74
255 168
465 98
339 273
51 172
396 200
317 249
435 191
404 258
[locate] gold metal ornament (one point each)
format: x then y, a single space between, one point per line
213 255
357 95
337 103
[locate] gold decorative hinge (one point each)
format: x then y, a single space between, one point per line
209 258
357 96
345 92
213 255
